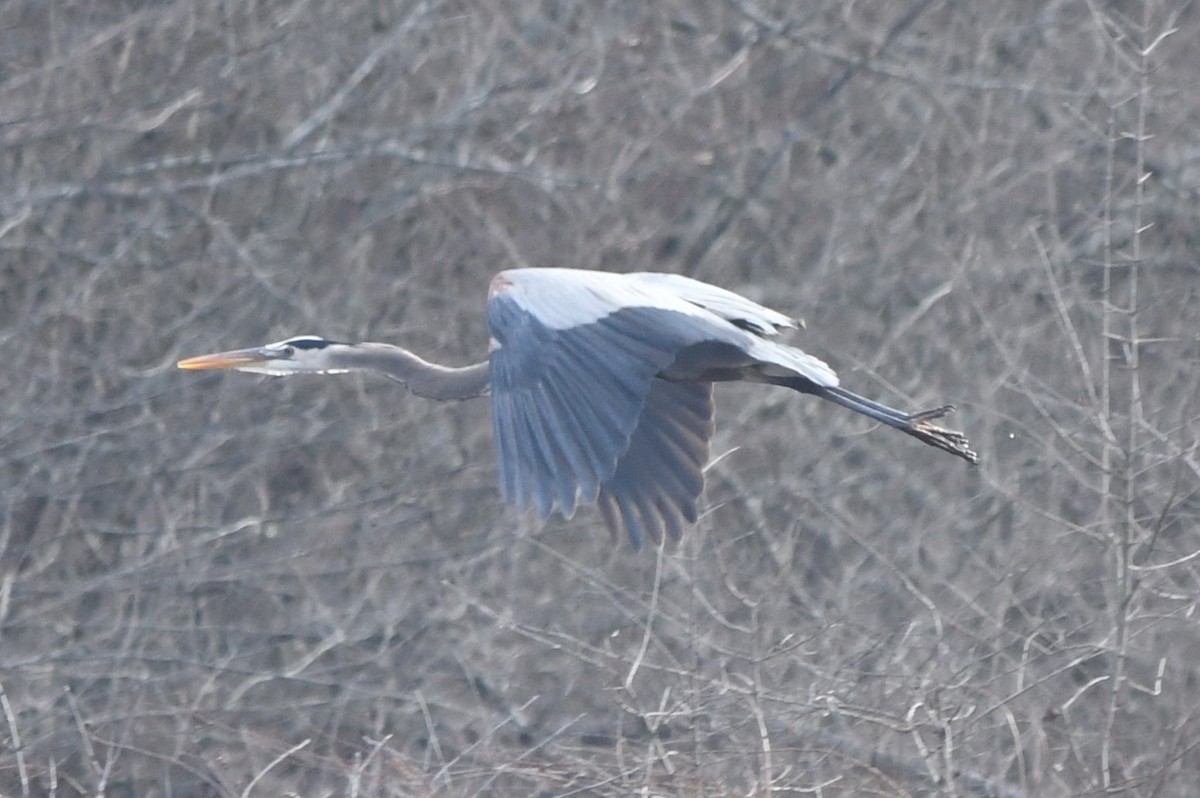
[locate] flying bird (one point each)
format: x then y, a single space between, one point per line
601 387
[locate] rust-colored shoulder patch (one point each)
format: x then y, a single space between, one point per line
500 284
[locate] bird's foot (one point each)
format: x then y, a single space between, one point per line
948 440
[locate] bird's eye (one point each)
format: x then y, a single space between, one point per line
288 351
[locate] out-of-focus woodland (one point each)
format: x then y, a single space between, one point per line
224 585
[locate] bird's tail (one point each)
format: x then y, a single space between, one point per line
917 425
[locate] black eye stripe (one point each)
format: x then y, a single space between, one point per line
307 343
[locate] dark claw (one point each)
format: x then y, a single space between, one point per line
928 415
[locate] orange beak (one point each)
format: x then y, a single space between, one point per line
224 360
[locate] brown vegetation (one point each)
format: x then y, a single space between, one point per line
227 586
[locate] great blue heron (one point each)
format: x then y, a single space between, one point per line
601 387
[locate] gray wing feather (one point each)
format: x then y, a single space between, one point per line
550 470
580 415
732 307
658 481
503 416
566 402
575 470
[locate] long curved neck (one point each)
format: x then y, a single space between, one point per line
422 377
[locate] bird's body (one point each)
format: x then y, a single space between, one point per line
601 387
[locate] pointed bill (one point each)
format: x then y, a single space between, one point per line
236 358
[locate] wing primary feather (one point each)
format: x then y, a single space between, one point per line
658 482
671 516
612 520
681 448
595 408
632 525
508 455
652 523
541 456
662 472
577 445
527 457
649 463
569 467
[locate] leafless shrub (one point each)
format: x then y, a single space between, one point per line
222 587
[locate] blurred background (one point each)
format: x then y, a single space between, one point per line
224 585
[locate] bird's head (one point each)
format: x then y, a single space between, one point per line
303 354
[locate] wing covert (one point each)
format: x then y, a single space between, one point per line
733 308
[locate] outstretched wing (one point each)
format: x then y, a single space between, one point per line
565 402
577 410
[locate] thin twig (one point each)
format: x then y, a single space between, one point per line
18 750
330 107
648 627
258 776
